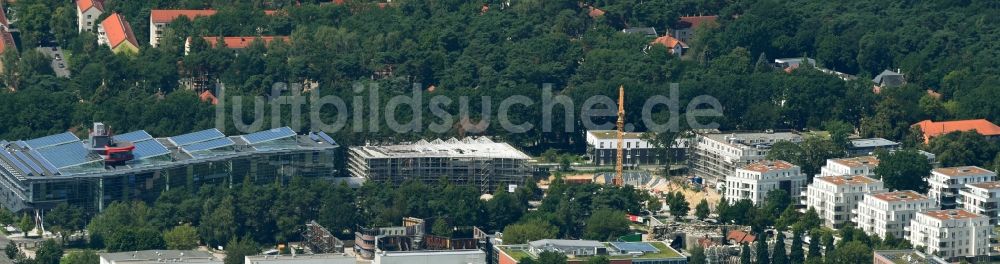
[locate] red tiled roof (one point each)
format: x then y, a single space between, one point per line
118 31
6 40
3 18
84 5
696 21
595 12
669 41
166 16
740 237
243 42
207 96
934 129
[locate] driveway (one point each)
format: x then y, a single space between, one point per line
58 63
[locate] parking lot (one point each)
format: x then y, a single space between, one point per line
59 64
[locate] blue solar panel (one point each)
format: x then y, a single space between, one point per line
66 155
327 138
134 136
149 148
20 166
27 161
634 247
41 160
208 145
268 135
51 140
200 136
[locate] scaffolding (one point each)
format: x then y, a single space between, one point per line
320 240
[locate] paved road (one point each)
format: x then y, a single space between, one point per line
58 64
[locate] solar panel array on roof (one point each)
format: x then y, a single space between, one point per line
51 140
66 155
268 135
209 145
148 148
20 166
134 136
634 247
326 138
41 160
31 163
200 136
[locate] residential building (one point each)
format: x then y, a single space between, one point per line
158 256
580 251
460 256
44 172
945 183
793 63
301 259
889 213
116 32
933 129
673 45
715 155
951 233
835 197
87 12
235 43
868 146
982 198
864 165
754 181
478 162
6 39
888 79
685 27
159 18
905 256
602 149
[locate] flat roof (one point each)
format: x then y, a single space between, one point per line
991 185
303 259
469 147
752 139
768 165
178 256
952 214
899 196
873 143
613 134
857 162
65 154
962 171
908 256
847 179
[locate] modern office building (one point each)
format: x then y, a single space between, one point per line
301 259
951 233
868 146
982 198
458 256
602 149
864 165
945 183
715 155
159 256
581 251
43 172
835 197
754 181
889 213
478 162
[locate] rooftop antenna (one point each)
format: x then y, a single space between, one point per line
621 135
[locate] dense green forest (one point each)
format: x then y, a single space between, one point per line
946 46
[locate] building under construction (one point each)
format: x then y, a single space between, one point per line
479 162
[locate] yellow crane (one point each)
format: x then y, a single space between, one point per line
618 181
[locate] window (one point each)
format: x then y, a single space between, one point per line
88 16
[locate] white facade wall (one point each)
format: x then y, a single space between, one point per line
951 238
754 185
432 257
834 201
884 217
85 21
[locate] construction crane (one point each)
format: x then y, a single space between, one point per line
619 181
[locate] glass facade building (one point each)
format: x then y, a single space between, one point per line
44 172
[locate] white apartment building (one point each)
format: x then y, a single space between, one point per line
982 198
87 12
945 183
834 197
889 213
716 155
159 18
602 149
864 165
951 233
753 181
